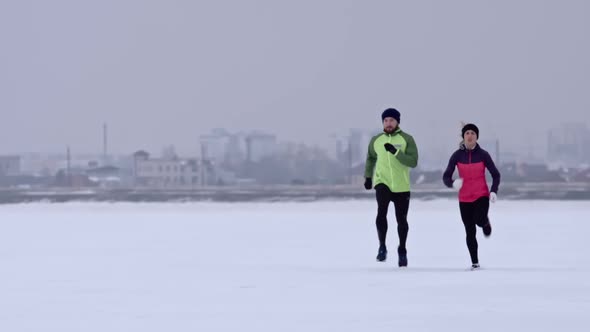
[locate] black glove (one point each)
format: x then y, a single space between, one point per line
368 183
390 148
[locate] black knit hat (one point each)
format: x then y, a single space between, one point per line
390 113
470 126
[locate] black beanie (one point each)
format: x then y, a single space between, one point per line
390 113
470 126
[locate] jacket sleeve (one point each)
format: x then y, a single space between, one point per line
493 171
448 174
371 159
408 158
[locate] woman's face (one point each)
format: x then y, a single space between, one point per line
470 137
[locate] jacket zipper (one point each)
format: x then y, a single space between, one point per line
390 166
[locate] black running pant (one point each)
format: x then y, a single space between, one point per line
474 214
401 202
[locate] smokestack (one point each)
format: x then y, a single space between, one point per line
104 143
203 161
349 160
498 152
68 167
248 148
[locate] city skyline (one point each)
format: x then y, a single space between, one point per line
217 139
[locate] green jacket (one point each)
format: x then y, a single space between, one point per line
393 170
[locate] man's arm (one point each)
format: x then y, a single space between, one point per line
410 157
371 159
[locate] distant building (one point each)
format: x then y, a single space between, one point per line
74 177
12 175
260 145
524 172
569 144
165 173
10 165
221 147
351 149
582 176
107 176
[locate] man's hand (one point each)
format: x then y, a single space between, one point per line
389 147
368 183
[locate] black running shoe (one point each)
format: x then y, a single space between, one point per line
382 254
402 257
487 229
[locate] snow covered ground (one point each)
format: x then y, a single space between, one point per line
289 267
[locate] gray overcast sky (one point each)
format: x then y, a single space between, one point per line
162 72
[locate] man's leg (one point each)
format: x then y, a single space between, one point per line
383 196
401 202
467 215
